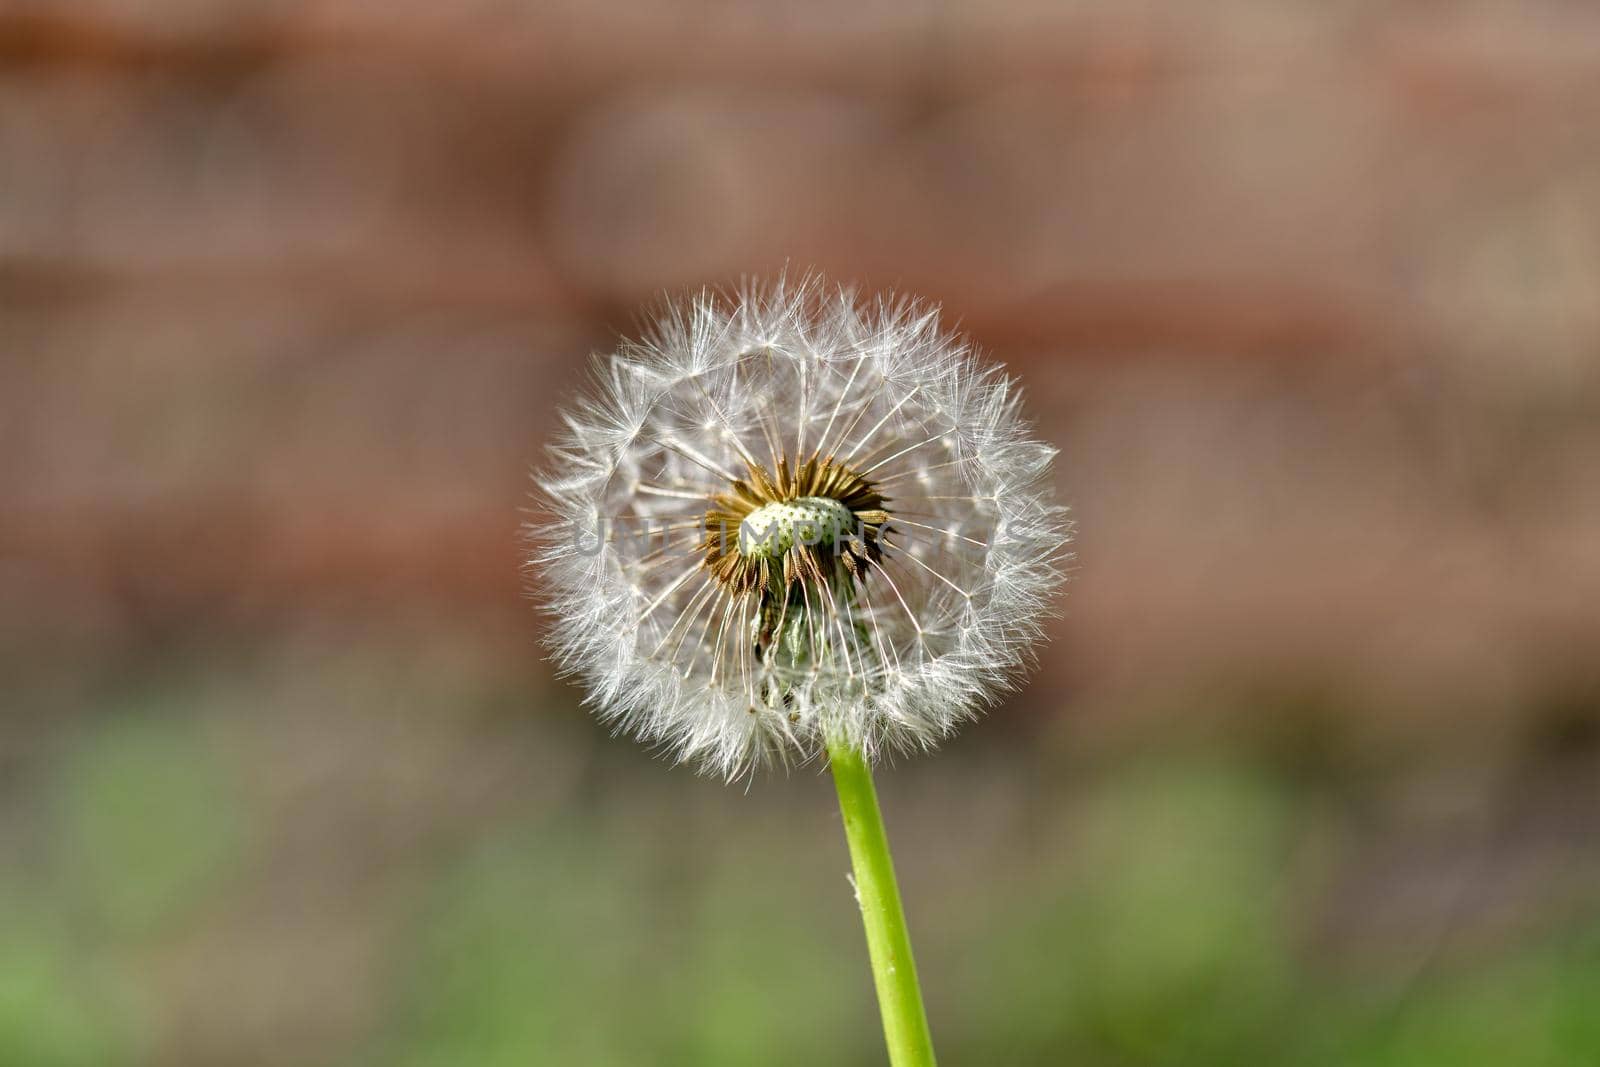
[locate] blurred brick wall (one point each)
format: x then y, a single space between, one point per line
1308 293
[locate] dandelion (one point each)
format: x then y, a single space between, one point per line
788 525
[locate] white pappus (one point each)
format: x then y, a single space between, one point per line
786 515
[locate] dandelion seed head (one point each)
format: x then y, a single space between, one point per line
785 515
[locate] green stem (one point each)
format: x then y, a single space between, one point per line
905 1023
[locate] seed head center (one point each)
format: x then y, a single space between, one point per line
817 524
773 529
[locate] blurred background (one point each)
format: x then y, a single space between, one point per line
1307 292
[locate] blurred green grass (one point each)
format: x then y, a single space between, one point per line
588 904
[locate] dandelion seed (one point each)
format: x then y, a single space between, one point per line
782 439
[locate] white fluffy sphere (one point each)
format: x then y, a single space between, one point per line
785 516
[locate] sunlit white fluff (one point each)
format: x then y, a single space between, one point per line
932 631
